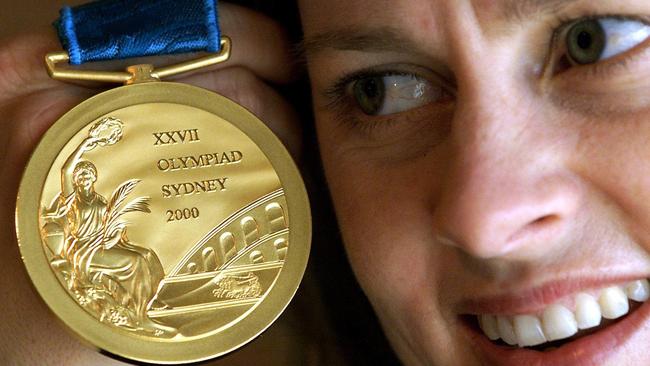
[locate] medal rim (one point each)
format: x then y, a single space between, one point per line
122 342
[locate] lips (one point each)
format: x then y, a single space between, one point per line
560 332
557 321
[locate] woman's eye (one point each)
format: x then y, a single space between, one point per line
592 40
388 94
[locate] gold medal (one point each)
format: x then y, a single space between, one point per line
162 222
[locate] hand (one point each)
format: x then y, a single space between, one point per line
90 143
30 102
113 237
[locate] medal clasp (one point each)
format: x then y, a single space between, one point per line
136 73
141 74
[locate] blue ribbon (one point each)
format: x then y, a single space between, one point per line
116 29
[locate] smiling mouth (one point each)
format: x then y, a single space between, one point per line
559 323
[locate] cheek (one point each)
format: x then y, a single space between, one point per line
614 156
375 213
384 210
384 215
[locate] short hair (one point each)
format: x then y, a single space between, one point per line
84 165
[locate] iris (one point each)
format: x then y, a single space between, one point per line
586 41
370 94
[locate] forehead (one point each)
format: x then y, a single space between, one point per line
323 14
339 23
318 14
84 169
440 31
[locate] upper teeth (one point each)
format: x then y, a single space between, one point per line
558 322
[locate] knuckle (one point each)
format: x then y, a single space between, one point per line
10 77
21 64
243 86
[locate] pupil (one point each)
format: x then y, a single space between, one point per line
585 40
370 88
369 94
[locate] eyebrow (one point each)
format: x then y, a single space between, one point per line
358 38
518 10
390 39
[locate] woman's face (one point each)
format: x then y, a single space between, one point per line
490 159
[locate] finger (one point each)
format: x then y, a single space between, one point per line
242 86
258 43
22 65
25 119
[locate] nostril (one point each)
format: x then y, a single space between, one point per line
537 227
546 220
514 213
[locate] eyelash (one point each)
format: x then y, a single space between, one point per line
601 69
343 104
348 114
338 91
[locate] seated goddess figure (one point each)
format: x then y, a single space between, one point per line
113 278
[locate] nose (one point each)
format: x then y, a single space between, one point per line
507 191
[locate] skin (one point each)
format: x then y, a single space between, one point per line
30 102
520 177
503 187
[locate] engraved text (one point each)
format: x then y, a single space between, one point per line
184 214
196 187
199 161
176 137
